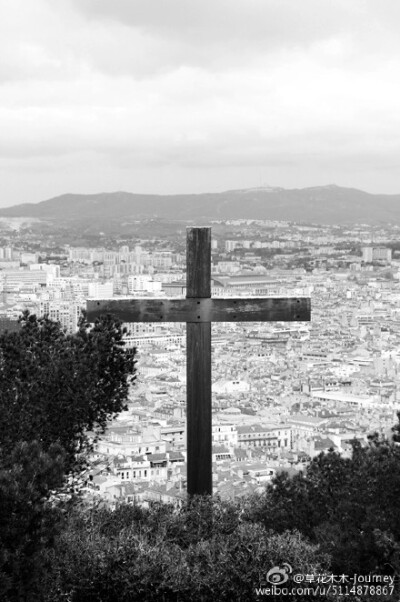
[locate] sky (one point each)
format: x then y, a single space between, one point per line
181 96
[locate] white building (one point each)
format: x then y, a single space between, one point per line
273 437
15 279
142 282
223 433
230 245
101 290
370 254
231 386
49 268
67 313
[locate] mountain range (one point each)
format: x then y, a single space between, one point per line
322 204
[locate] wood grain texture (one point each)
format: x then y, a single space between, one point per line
198 262
198 366
285 309
199 409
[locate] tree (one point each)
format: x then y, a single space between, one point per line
28 522
58 388
57 392
347 506
396 430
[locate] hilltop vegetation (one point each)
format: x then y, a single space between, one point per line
55 388
340 516
209 550
319 204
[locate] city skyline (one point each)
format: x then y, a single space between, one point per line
178 98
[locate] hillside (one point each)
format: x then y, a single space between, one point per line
325 204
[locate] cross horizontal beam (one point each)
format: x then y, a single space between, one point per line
261 309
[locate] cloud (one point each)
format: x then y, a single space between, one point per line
173 86
211 35
268 22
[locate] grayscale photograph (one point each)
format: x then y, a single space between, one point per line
199 300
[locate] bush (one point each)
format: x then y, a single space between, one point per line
202 552
349 507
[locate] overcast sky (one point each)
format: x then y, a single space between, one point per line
171 96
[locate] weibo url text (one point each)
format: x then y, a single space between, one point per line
324 590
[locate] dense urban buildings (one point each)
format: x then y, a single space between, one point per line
282 392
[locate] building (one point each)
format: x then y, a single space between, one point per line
274 437
101 290
159 340
16 279
143 283
131 442
231 386
67 313
174 434
49 268
370 254
224 434
230 245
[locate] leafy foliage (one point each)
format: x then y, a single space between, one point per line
56 387
340 515
347 506
203 552
28 523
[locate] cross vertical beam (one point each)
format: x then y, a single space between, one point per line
198 366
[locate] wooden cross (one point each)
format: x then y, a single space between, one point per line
199 310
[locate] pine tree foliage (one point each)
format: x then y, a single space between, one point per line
348 506
29 524
57 388
57 392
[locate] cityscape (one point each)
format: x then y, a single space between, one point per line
282 392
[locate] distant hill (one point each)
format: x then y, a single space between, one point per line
323 204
